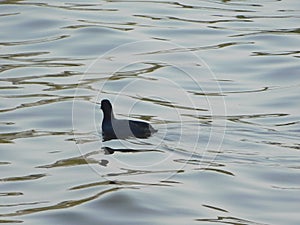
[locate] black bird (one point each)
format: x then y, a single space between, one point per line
113 128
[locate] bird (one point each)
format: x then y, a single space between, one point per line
113 128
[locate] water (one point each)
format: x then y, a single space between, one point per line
218 79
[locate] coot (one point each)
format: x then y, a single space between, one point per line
113 128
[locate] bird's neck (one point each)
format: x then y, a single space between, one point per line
109 115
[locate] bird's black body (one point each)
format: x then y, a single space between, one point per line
113 128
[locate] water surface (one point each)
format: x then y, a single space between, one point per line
218 79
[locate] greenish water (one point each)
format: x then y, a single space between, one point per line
218 79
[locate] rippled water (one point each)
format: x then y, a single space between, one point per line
218 79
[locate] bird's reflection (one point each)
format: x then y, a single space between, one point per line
109 151
107 137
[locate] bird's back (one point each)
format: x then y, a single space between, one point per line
117 128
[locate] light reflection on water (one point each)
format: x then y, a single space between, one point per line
173 64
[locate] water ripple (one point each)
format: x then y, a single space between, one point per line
34 41
47 55
23 178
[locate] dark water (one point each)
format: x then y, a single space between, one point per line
218 79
